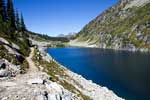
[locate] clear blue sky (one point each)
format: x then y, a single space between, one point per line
55 17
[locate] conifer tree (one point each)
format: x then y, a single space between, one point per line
17 20
22 24
3 13
11 14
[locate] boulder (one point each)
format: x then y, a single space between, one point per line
4 73
2 64
8 69
67 97
54 97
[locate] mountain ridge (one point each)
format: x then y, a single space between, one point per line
126 25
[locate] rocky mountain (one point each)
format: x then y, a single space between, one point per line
125 25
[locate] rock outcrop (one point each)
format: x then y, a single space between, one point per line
27 87
8 69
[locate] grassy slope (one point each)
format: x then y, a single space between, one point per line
118 26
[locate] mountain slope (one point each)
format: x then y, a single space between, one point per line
126 25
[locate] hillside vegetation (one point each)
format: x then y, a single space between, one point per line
14 36
14 43
121 27
44 37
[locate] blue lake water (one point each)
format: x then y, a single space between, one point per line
126 73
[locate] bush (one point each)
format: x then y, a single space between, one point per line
24 67
60 45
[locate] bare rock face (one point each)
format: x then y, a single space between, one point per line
4 40
2 64
11 51
15 46
10 47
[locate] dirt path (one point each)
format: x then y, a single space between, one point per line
32 67
21 87
20 79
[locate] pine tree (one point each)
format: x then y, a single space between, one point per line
11 14
17 20
3 13
22 24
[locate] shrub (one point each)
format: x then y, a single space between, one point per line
24 67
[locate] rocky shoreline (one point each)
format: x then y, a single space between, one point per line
130 48
87 87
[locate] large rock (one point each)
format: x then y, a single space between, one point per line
8 69
54 97
2 64
4 73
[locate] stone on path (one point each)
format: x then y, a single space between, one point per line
35 81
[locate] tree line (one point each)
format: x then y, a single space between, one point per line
46 37
10 18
